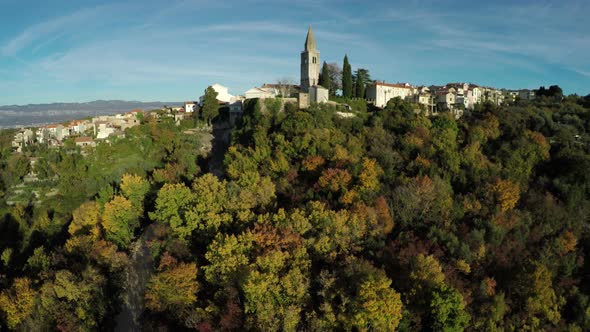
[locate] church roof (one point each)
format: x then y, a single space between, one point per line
310 41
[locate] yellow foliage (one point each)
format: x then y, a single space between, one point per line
369 176
349 197
173 287
427 269
85 220
18 302
507 194
463 266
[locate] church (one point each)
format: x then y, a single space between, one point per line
310 90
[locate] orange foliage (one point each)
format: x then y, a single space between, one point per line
541 142
567 242
334 179
267 236
311 163
384 215
490 286
423 162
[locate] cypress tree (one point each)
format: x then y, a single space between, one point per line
360 84
326 81
346 79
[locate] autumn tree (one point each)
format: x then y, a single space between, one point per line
119 221
86 220
135 188
17 302
173 287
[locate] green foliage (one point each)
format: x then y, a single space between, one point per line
325 79
210 107
119 220
381 221
346 79
447 310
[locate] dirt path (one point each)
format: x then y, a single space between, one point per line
136 277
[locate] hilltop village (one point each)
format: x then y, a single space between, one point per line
455 98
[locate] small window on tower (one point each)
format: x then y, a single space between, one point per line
314 59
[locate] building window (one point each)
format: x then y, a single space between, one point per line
314 59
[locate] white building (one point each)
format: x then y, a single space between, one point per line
475 97
380 92
261 93
222 94
526 94
189 106
23 138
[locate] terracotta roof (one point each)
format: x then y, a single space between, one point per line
83 139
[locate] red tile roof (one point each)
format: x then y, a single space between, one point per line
83 139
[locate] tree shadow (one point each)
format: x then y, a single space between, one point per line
221 132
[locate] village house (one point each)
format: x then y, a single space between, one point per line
379 93
261 93
223 94
190 106
78 127
84 141
22 138
446 100
423 97
285 90
475 97
526 94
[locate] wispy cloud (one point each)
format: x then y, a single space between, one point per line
41 32
181 46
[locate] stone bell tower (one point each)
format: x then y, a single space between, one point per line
310 63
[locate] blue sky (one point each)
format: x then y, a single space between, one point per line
172 50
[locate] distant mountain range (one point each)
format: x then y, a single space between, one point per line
39 114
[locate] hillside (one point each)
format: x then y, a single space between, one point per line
384 220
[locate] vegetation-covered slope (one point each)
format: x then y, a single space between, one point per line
387 220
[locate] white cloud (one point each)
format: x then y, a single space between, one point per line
43 31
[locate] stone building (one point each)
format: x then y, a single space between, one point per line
310 90
310 63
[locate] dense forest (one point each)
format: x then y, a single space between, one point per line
385 220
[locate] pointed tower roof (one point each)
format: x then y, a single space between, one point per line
310 41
